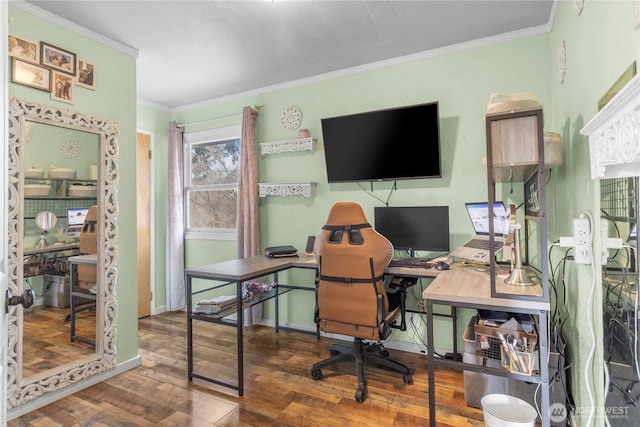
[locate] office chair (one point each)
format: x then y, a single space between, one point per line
351 298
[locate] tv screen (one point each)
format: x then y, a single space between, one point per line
423 228
399 143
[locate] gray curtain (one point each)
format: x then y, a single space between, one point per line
175 224
247 223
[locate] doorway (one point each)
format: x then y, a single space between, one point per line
144 221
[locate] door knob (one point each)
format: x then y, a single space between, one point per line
26 299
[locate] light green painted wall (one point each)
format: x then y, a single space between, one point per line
601 43
115 99
462 84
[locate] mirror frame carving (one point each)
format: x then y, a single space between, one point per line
21 390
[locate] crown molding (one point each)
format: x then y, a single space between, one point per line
473 44
71 26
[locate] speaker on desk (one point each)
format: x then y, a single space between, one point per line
311 240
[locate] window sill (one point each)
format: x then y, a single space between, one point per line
210 235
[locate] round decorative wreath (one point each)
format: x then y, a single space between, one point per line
70 149
291 118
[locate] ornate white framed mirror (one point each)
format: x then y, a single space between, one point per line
24 385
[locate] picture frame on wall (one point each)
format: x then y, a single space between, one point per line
29 74
24 49
532 198
62 87
86 74
57 59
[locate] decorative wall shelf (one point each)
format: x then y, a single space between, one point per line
288 146
306 189
614 135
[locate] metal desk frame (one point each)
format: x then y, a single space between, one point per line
74 261
240 270
466 288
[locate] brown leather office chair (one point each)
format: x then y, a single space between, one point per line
87 274
351 298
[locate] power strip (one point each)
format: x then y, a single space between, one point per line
582 240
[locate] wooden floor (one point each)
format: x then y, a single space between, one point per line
278 388
46 338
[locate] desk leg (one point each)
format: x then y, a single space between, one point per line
72 306
544 369
431 367
189 330
454 321
275 277
239 326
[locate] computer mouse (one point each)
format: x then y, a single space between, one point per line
441 265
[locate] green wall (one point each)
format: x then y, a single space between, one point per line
461 82
601 43
114 99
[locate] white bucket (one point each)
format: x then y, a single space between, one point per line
501 410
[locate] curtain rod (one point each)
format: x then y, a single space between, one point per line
215 119
229 116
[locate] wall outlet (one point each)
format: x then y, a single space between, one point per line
604 238
582 241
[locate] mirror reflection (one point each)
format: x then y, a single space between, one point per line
57 161
619 205
45 221
62 177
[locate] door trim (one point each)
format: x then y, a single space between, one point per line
152 222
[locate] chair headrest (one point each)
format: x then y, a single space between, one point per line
92 214
346 213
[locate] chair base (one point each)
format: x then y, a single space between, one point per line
361 354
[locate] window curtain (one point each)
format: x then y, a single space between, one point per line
175 225
247 223
247 220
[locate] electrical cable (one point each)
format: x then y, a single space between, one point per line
589 362
386 203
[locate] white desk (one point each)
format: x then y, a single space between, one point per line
469 288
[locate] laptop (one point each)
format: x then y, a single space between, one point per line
477 248
75 221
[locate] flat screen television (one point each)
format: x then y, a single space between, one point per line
383 145
424 228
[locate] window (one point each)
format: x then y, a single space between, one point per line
211 170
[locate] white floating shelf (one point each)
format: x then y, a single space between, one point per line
288 146
306 189
614 135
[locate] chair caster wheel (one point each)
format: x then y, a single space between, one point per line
408 379
316 375
359 395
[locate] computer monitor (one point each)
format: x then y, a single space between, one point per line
76 216
423 228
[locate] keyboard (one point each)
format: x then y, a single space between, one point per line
484 244
411 262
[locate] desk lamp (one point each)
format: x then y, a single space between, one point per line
518 276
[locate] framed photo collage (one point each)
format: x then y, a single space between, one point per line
49 68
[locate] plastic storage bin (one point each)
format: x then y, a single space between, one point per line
56 291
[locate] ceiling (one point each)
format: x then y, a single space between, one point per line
194 51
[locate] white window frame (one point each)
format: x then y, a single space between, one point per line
201 137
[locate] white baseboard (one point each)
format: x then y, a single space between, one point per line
69 390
